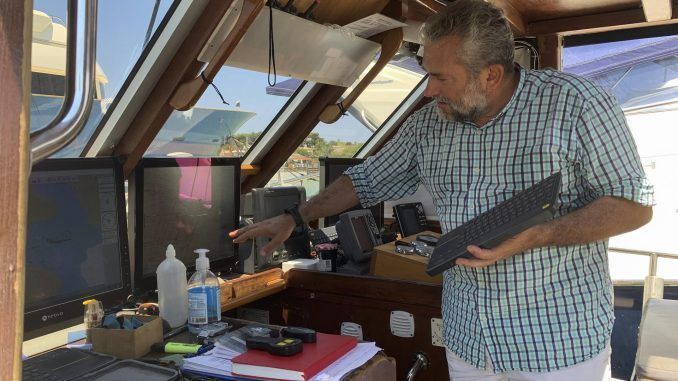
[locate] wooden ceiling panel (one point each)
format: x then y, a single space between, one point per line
634 18
420 10
538 10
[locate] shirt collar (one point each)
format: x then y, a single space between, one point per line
519 88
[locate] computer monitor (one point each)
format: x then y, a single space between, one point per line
76 241
190 203
267 203
331 168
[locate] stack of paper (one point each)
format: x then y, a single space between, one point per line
352 360
223 352
215 362
208 363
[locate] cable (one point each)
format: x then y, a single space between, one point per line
215 87
271 47
534 55
342 109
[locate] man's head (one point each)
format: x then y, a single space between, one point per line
468 50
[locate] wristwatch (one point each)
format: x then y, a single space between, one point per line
294 212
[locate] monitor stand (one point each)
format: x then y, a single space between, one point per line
355 268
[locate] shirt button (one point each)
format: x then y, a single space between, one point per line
483 318
476 170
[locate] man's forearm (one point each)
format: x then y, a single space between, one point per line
336 198
603 218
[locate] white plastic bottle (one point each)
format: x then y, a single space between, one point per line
172 289
204 305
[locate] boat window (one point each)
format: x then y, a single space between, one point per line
124 27
346 136
213 128
47 84
643 75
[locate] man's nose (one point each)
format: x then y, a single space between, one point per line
431 90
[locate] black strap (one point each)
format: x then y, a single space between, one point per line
294 212
341 108
213 85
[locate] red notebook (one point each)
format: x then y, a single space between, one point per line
302 366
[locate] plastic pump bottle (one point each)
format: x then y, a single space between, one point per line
172 292
204 305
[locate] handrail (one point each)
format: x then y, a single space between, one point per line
643 252
79 86
421 362
652 272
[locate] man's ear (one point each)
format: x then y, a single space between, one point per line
492 77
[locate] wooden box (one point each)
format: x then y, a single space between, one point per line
389 264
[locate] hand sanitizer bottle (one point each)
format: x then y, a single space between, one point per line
172 293
204 304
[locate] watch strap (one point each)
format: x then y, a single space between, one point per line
294 212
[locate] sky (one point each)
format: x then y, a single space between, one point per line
120 41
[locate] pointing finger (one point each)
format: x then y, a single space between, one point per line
245 234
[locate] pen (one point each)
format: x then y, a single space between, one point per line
204 348
200 351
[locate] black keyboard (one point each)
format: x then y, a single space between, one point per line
324 235
529 207
63 364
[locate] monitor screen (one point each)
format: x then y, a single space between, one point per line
330 170
271 202
190 203
76 242
275 201
362 233
409 221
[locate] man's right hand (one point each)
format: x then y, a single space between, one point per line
278 229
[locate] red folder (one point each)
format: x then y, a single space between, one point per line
302 366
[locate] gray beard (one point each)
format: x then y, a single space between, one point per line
458 116
473 105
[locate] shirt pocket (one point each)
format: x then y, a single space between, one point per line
534 162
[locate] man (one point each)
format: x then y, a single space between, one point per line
539 305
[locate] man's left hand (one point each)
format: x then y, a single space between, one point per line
517 244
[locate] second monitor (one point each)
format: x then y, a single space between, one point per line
268 203
189 202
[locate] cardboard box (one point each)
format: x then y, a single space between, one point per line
128 343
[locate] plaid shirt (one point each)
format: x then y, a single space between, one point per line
546 308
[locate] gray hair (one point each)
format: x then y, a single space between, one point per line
484 30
